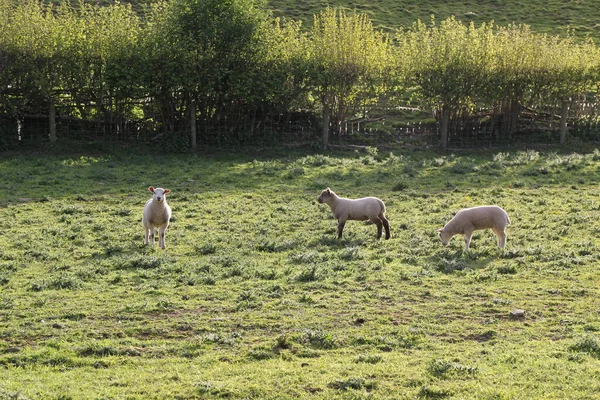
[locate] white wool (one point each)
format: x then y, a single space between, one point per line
366 208
156 214
468 220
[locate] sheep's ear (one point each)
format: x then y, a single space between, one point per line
328 191
440 230
151 188
167 191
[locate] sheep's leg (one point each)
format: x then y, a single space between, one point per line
501 237
379 224
152 235
161 237
145 234
379 228
386 225
341 224
468 235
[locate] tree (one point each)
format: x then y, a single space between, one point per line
28 48
97 60
203 52
348 60
569 70
449 64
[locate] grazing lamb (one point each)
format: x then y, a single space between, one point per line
468 220
157 213
367 208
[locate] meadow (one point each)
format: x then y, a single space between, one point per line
549 16
555 17
255 298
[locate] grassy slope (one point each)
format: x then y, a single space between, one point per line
550 16
255 298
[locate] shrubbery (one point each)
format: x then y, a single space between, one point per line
214 59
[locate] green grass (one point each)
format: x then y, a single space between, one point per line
544 16
254 297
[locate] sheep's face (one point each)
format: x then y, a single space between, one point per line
159 193
325 195
444 236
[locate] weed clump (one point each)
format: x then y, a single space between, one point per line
206 249
352 383
6 303
216 338
63 282
400 186
509 269
317 160
462 167
213 389
351 253
589 345
428 392
444 368
305 257
448 266
368 359
309 274
106 351
260 353
318 339
138 262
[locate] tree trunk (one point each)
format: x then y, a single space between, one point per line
193 124
445 118
514 118
325 132
52 122
564 113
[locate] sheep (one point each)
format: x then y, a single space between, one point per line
157 213
468 220
367 208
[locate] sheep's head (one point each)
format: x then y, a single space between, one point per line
444 236
159 193
325 195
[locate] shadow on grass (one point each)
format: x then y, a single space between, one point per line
334 242
119 174
450 261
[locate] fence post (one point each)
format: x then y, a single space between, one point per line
325 131
444 126
193 123
564 113
52 122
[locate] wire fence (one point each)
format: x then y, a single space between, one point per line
482 129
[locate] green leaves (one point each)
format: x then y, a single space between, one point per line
348 59
232 57
457 68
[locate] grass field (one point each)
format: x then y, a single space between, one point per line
547 16
255 298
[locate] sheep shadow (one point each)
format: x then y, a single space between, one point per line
333 242
448 261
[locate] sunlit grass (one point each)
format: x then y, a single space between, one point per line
255 297
554 17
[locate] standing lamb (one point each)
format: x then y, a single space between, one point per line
468 220
157 213
367 208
